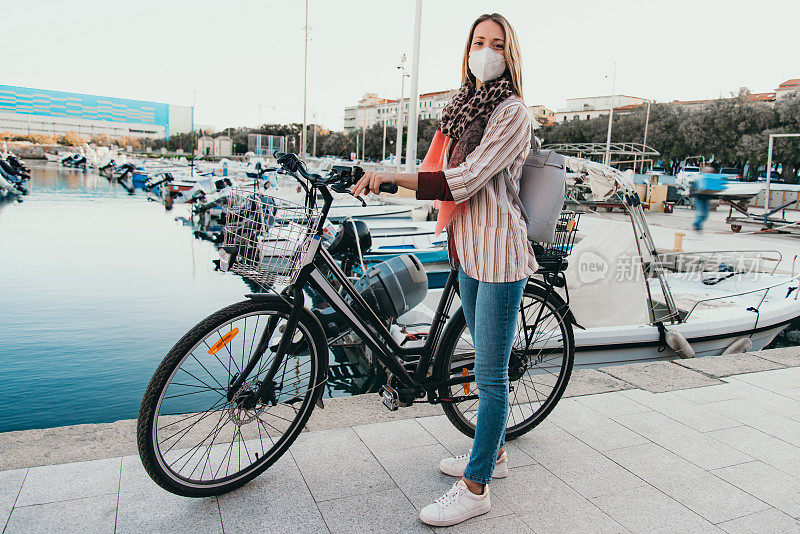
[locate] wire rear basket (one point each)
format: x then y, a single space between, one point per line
270 236
566 230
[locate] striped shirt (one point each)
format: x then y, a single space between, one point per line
488 232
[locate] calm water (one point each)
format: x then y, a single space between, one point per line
95 287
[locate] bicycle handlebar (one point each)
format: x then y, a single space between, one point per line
340 179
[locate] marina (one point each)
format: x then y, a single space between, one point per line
317 267
140 257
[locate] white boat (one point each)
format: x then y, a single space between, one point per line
714 301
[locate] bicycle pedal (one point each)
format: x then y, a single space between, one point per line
389 397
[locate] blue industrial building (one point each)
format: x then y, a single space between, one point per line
24 110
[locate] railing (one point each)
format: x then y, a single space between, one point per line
766 289
714 254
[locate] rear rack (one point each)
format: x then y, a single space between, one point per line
552 256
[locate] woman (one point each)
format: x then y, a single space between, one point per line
488 241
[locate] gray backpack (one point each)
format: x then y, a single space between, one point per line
541 188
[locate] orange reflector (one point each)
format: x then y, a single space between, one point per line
465 384
224 341
570 225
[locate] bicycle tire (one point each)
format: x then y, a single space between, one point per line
151 456
444 368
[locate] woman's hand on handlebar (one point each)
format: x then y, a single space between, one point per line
372 182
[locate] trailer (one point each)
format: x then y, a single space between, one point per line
740 195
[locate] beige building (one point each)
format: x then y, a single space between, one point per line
372 109
788 87
595 106
543 115
220 146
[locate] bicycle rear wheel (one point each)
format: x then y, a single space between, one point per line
539 369
197 438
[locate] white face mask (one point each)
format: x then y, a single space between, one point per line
486 64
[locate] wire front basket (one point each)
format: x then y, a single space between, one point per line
269 234
566 230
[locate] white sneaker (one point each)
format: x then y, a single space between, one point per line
455 506
455 466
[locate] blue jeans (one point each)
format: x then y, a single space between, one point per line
491 312
701 206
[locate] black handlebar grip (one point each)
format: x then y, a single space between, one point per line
386 187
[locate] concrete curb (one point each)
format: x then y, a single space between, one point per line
32 448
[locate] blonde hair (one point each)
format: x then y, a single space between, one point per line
511 51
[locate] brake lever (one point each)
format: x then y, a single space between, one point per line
342 188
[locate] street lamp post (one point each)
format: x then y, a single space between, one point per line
403 74
611 117
413 106
384 139
305 87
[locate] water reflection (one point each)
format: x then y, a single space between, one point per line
95 286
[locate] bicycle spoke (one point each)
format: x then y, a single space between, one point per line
203 431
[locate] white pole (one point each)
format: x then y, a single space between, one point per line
305 86
611 117
400 118
769 176
314 146
384 138
646 124
411 143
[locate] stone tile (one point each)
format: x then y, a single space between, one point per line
457 443
547 504
77 480
775 402
744 411
729 364
591 381
659 376
760 522
144 506
789 356
766 483
675 407
507 524
404 434
713 393
697 489
277 501
387 511
576 463
686 442
768 449
793 393
416 472
772 380
613 403
10 484
645 510
338 455
92 515
593 428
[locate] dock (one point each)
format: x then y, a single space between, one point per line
706 445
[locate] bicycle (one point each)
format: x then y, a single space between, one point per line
236 390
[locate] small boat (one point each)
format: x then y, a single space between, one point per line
656 306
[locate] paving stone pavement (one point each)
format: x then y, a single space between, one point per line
716 455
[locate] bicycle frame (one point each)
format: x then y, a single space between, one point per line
364 322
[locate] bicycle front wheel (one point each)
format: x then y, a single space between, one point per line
196 436
539 368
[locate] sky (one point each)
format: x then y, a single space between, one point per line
229 57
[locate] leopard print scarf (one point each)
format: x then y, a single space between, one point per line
469 104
